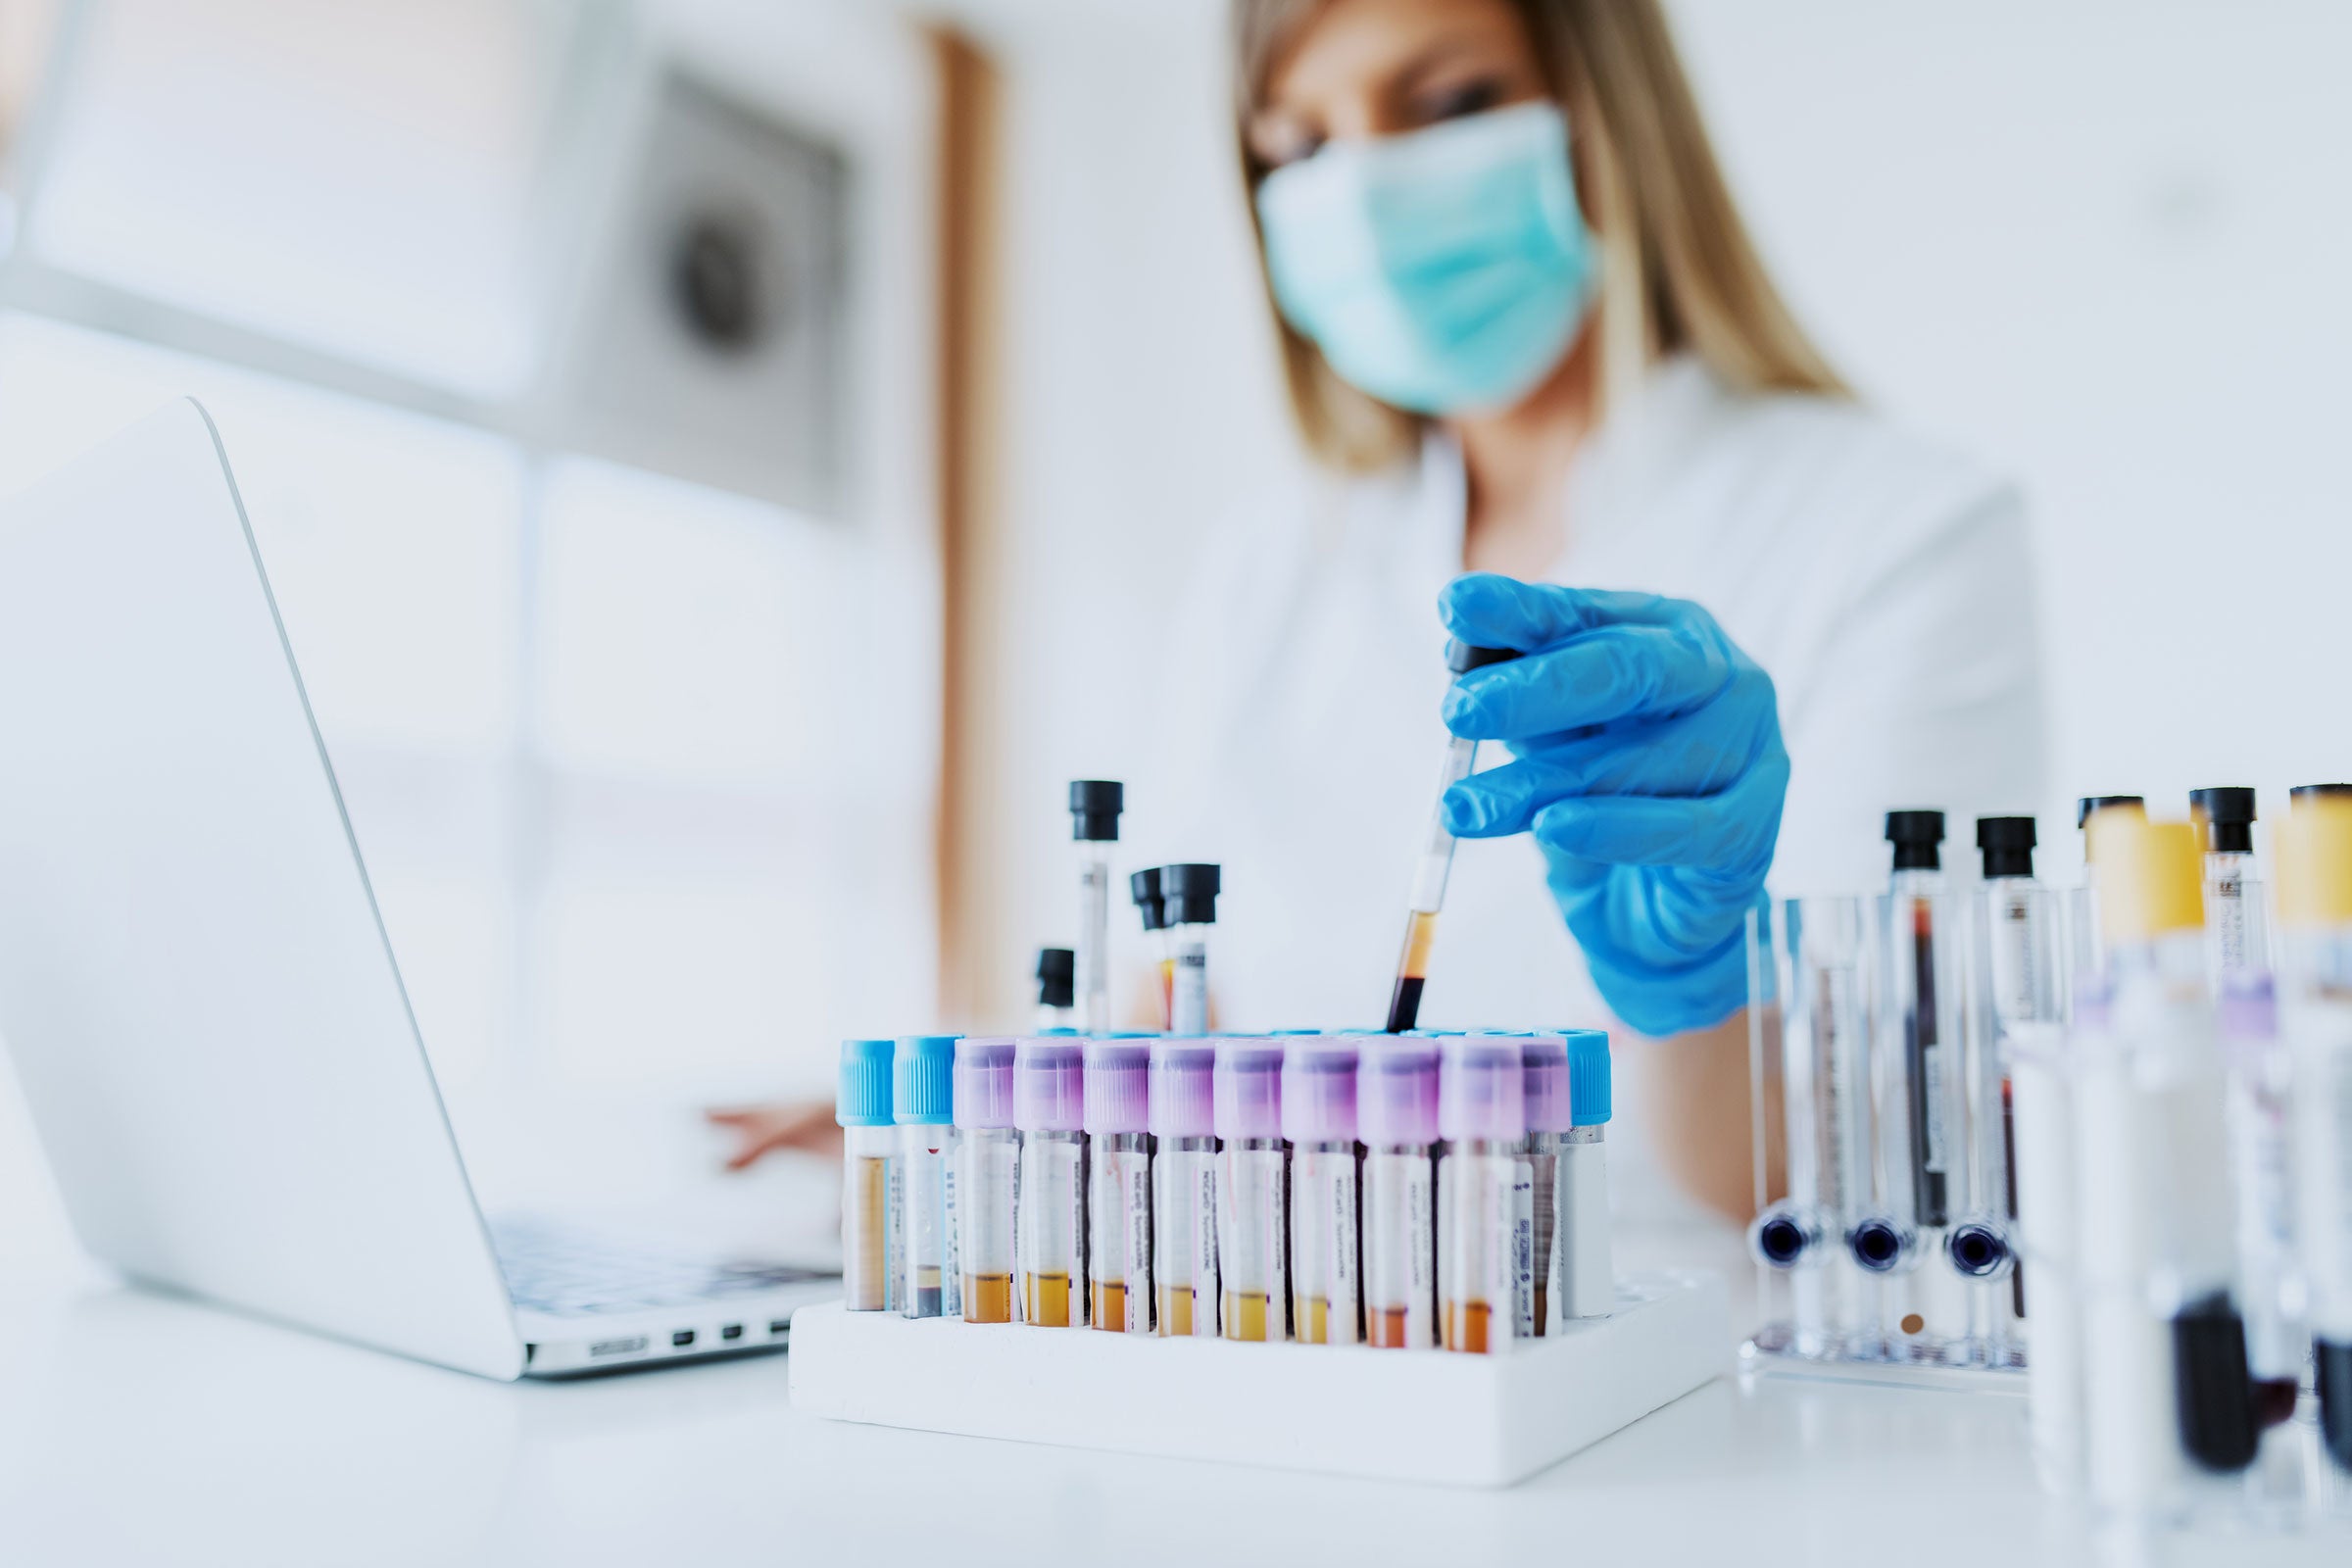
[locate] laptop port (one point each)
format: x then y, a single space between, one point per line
628 1346
682 1339
777 1328
733 1331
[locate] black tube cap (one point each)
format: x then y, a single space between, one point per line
1189 894
2313 791
2007 843
2100 802
1143 889
1462 658
1057 977
1915 836
2228 812
1094 807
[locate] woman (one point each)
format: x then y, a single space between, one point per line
1530 345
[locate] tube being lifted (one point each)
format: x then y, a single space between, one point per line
1437 858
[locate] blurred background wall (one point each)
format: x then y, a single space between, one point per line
640 706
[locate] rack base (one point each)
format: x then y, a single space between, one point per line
1452 1420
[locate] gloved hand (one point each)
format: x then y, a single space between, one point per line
1650 767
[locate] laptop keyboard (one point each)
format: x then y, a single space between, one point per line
552 1270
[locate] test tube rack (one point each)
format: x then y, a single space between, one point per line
1397 1416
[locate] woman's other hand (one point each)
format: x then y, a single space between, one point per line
763 1129
1649 765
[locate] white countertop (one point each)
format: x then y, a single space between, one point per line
140 1429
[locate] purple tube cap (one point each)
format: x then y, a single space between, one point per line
983 1089
1183 1099
1543 1062
1049 1085
1118 1086
1397 1091
1319 1091
1482 1090
1249 1089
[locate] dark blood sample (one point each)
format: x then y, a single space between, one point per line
2214 1397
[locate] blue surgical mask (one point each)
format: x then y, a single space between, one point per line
1444 272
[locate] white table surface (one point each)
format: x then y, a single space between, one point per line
140 1429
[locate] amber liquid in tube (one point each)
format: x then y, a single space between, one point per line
988 1297
1386 1328
868 1280
1412 970
1466 1327
1175 1310
1246 1315
1111 1305
1045 1297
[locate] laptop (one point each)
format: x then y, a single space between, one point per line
204 1009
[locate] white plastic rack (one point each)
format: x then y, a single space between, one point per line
1422 1415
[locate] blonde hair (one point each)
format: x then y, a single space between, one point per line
1650 189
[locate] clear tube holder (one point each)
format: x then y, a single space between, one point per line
1399 1415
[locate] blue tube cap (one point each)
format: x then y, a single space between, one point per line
862 1095
1587 1076
923 1081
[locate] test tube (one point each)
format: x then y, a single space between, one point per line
1396 1117
2087 947
2007 973
1922 994
1189 900
1435 861
1143 888
1481 1249
1118 1254
2313 851
2234 919
1184 1186
1048 1106
1318 1120
1253 1288
1057 971
1588 1265
861 1105
923 1104
2270 1293
1825 971
988 1178
1094 807
1544 1059
2164 1392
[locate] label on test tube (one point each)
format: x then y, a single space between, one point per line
1323 1212
1523 1248
1256 1293
1188 995
1118 1262
1478 1196
1399 1251
2016 987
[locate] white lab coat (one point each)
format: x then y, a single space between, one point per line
1882 581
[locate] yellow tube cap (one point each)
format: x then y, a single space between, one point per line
2312 845
2150 876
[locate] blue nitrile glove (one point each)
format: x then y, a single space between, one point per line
1649 766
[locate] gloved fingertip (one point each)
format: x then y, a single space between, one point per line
1461 710
1463 812
1475 606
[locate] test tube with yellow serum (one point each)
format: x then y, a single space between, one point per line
1255 1288
1048 1106
1118 1252
1318 1120
1396 1118
1183 1186
868 1139
988 1156
1484 1240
